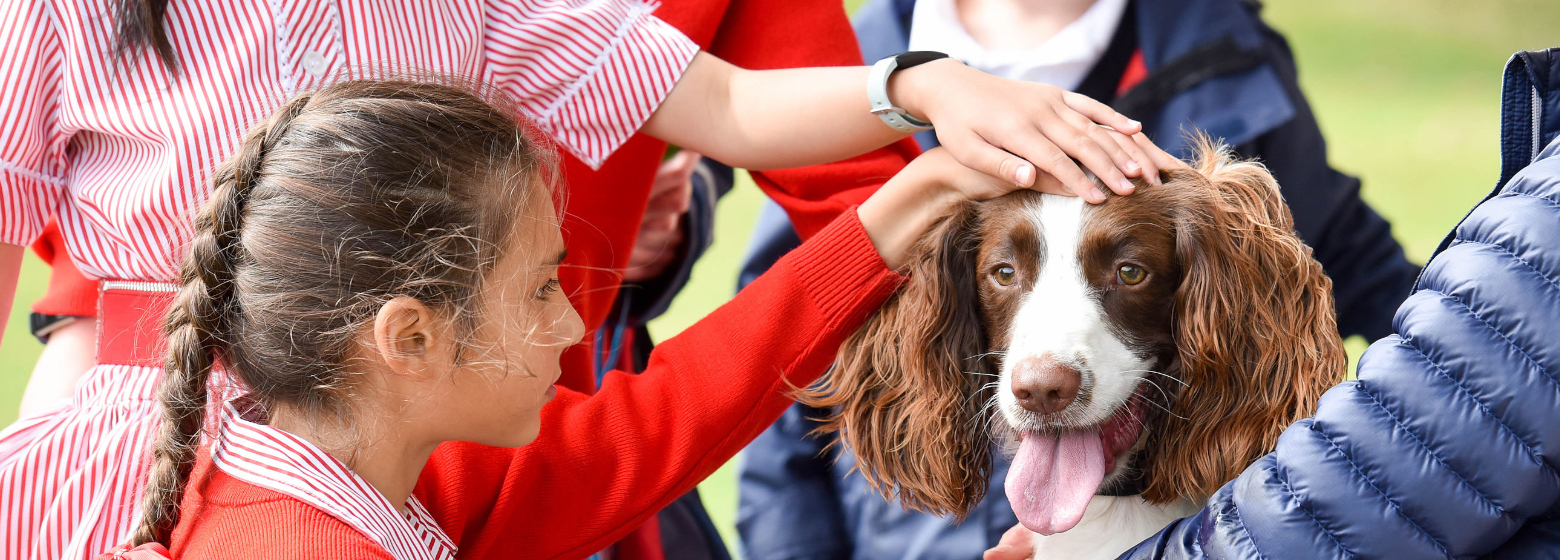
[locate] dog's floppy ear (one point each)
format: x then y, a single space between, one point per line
901 394
1256 334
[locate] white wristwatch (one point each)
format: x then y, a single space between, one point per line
877 89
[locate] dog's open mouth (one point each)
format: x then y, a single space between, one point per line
1054 474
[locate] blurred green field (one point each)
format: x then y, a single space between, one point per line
1406 91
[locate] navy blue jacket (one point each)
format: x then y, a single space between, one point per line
1448 445
799 503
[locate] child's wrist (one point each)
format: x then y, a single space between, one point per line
915 89
902 210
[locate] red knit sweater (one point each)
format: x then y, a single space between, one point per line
603 464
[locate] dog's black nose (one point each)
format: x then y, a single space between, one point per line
1044 385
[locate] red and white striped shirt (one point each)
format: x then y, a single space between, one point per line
287 464
123 154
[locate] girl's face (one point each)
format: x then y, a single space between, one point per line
497 390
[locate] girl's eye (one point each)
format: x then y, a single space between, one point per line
1131 275
1005 275
547 290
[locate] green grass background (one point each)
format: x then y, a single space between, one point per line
1407 92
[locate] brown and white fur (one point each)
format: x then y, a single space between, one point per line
1016 319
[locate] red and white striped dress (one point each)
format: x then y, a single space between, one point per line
123 155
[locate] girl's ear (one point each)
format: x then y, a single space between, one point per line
408 336
905 395
1256 335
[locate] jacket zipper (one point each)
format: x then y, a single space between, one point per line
1537 109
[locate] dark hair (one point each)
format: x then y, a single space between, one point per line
343 199
140 27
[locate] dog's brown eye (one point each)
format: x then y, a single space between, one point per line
1005 275
1131 275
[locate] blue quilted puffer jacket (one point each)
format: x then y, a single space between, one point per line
1447 446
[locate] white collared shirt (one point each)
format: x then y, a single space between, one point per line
1063 60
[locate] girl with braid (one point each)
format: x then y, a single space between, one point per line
115 113
376 273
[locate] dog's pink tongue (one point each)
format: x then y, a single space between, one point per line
1053 477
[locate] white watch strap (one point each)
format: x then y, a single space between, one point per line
877 93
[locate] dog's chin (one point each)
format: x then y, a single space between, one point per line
1056 471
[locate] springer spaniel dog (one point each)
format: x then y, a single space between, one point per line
1133 355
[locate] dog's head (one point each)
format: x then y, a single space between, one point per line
1161 341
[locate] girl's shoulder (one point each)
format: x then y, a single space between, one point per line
223 517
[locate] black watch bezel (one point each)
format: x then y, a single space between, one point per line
911 59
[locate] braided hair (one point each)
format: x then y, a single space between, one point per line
343 199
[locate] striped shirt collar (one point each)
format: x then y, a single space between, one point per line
281 462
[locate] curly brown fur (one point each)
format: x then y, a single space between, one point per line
1256 334
907 393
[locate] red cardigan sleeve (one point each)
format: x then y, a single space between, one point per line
604 463
765 34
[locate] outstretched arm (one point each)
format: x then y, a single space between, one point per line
605 463
766 119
